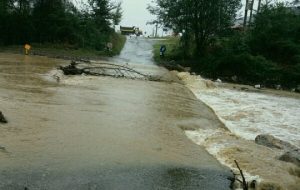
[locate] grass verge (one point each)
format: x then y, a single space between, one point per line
172 45
66 51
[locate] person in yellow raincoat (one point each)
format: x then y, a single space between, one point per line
27 48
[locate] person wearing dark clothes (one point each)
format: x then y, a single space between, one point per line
163 49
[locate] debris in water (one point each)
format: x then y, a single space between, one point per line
244 183
245 89
71 69
2 118
219 80
258 86
278 87
106 69
234 78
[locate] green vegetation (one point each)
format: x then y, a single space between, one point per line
172 49
68 51
118 41
267 52
60 24
197 20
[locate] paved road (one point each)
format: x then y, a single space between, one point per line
100 132
137 50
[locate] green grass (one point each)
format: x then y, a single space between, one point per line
172 44
68 51
118 41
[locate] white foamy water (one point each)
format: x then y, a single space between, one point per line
207 138
248 114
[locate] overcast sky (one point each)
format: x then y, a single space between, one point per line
135 13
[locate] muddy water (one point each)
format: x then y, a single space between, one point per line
137 50
245 115
99 132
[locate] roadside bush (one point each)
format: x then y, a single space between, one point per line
248 68
232 57
268 52
118 42
58 22
290 76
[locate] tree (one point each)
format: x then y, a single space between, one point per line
199 20
101 13
50 13
276 34
6 9
22 24
58 21
6 6
117 14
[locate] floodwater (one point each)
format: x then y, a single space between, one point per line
246 115
136 50
83 132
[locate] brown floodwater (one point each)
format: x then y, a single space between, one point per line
86 132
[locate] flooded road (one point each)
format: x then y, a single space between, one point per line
99 132
137 50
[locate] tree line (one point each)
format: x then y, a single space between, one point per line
198 20
58 21
265 51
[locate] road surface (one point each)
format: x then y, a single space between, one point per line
100 132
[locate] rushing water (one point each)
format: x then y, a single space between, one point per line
136 50
246 115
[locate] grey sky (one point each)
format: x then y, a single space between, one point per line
135 13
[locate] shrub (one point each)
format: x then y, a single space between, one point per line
246 67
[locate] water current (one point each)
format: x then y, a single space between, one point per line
246 115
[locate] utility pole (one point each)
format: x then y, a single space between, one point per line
153 32
156 28
246 14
